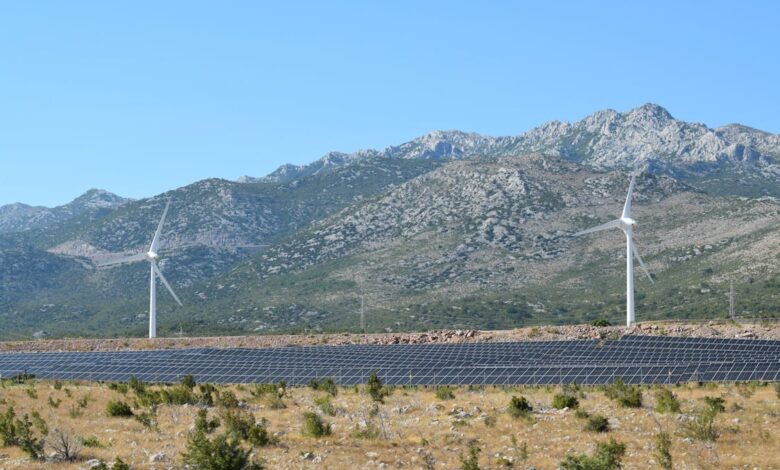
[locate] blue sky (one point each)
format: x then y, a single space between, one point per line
142 97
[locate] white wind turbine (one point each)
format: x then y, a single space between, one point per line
152 256
626 224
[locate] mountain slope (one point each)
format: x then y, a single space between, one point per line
451 229
20 217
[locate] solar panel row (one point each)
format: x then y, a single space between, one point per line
635 359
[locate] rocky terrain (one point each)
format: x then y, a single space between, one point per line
450 230
767 331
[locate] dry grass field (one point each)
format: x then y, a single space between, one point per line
412 428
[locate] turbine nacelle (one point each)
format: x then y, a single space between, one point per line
627 222
152 256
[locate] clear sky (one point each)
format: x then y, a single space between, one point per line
141 97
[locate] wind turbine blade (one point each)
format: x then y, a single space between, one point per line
627 205
123 260
598 228
156 239
641 263
165 281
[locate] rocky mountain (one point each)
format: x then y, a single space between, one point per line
20 217
647 137
451 229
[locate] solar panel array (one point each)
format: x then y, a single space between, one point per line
635 359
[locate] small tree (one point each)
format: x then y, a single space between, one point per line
188 381
374 388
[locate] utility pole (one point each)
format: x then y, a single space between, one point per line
731 301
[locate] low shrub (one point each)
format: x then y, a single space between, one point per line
226 399
314 425
325 405
608 456
223 453
325 385
716 404
600 322
118 409
597 423
666 401
203 423
663 450
626 395
564 400
519 407
445 393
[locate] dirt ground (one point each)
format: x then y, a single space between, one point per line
415 427
701 330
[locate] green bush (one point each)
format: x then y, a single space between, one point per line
227 399
663 450
519 407
188 381
666 401
118 409
600 322
91 441
314 426
608 456
597 423
118 464
445 393
777 389
370 431
241 425
564 400
716 404
203 423
626 395
221 453
702 425
325 385
136 385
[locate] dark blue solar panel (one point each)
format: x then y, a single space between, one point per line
635 359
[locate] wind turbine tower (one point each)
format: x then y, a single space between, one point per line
626 224
151 256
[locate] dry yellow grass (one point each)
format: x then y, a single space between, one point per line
414 424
